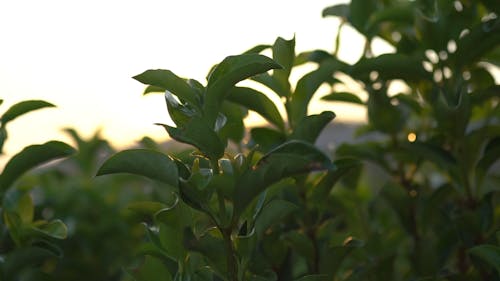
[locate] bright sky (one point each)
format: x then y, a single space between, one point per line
81 55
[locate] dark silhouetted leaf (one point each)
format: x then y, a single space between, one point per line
488 253
230 71
142 162
271 213
290 158
340 10
23 107
29 158
310 127
307 86
196 132
343 97
167 80
258 102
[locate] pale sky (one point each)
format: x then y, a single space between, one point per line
81 55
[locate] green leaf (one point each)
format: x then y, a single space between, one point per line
153 89
307 86
258 102
284 54
167 80
230 71
491 155
272 83
332 257
340 10
290 158
151 269
271 213
489 254
266 138
21 108
359 13
310 127
31 157
300 243
481 39
181 114
55 229
234 129
20 203
391 66
257 49
211 247
142 162
343 97
384 116
435 154
198 133
322 189
172 223
397 13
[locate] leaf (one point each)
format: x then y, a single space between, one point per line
489 254
153 89
230 71
271 213
300 243
481 39
21 108
167 80
343 97
257 49
396 13
384 116
142 162
310 127
20 203
54 229
332 257
151 269
307 86
340 10
172 223
435 154
322 189
234 128
491 155
272 83
288 159
211 247
391 66
284 55
198 133
31 157
266 138
179 113
359 13
258 102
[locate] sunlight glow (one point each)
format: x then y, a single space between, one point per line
81 56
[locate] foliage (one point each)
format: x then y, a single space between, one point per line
436 146
26 241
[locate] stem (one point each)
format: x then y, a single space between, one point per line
232 265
